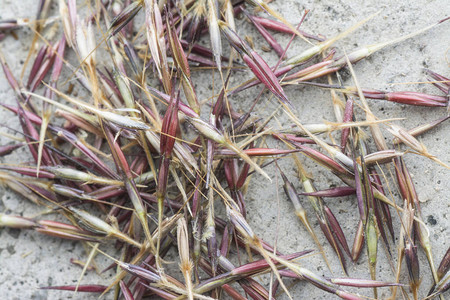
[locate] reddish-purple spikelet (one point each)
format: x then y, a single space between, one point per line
293 138
232 292
200 50
358 243
348 116
169 127
140 272
123 18
255 62
444 266
337 229
254 152
333 192
126 291
280 27
37 64
159 292
280 71
367 283
410 98
266 35
181 106
259 265
8 149
412 263
263 72
443 83
88 288
322 159
348 296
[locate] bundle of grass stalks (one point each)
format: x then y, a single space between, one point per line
152 161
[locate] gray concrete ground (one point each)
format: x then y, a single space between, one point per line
29 260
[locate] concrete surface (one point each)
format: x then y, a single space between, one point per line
29 260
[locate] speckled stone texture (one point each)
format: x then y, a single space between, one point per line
29 260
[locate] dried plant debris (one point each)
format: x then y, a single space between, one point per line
152 167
